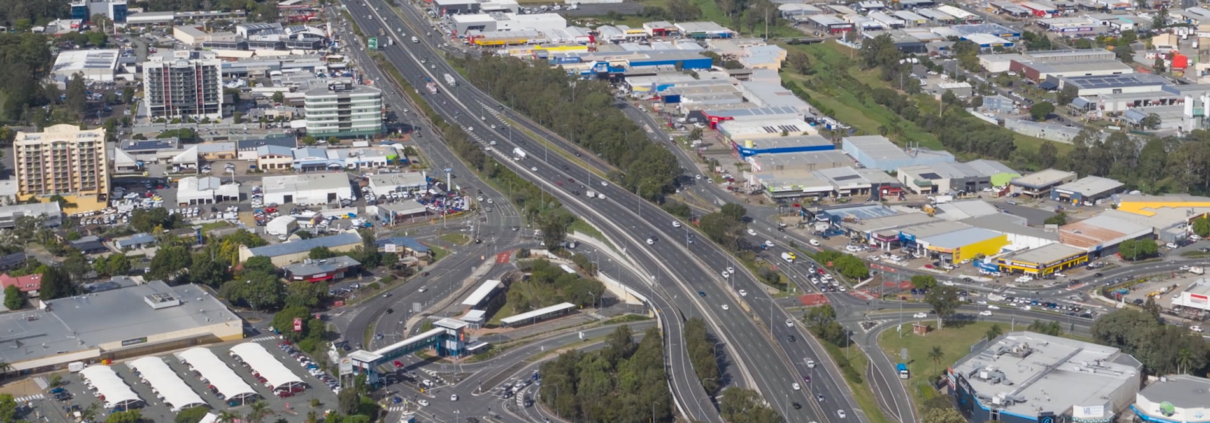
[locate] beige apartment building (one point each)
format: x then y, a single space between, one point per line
63 160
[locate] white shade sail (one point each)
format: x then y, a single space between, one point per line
109 384
165 382
216 372
264 363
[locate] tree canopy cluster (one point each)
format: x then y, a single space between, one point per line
548 284
847 265
1138 249
1162 348
740 405
624 382
702 354
583 112
27 61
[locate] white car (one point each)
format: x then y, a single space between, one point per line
1027 308
743 293
948 283
730 269
789 323
454 397
985 313
726 273
840 413
650 241
725 307
752 232
993 307
535 168
920 315
676 224
796 387
981 302
1197 329
813 242
423 403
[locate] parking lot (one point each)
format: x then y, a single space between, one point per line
293 407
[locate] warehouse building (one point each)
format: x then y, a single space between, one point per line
308 188
1101 234
386 183
1087 190
1040 71
1109 84
749 147
963 245
1043 261
114 325
999 174
773 164
92 65
909 236
740 131
878 152
300 250
1026 377
1039 184
1020 235
943 178
51 214
398 212
205 190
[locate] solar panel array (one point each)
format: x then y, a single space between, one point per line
781 128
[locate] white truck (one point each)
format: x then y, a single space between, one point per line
449 80
591 194
1197 270
941 199
787 257
518 153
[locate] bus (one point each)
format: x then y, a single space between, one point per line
903 371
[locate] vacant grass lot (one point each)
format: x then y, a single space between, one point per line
955 341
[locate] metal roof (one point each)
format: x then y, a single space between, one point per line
315 267
1116 81
961 238
259 359
304 245
1047 254
1091 185
481 292
537 313
1042 178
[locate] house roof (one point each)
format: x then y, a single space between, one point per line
25 283
407 242
314 267
299 246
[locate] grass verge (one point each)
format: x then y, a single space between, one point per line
585 228
954 341
455 238
438 252
861 391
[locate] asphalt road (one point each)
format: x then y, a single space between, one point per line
765 362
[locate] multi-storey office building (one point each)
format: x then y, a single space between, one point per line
178 88
344 111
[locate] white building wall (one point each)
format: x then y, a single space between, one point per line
309 197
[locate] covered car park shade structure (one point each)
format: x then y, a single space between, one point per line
165 383
110 387
215 373
537 315
260 361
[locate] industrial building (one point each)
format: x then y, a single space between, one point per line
300 250
1040 71
344 111
193 190
1026 377
878 152
308 189
506 22
114 325
776 164
943 178
1175 398
63 160
49 212
1101 234
398 212
178 88
93 65
752 145
329 269
999 174
1043 261
1109 84
408 182
1039 184
1087 190
963 245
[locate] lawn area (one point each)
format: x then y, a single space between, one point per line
505 310
455 238
867 118
438 252
215 225
955 342
862 393
582 227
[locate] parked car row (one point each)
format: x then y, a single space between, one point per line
313 369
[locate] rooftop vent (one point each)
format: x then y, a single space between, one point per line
160 301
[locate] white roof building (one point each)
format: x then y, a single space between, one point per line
205 190
308 188
165 382
93 65
107 382
386 183
281 225
276 374
216 372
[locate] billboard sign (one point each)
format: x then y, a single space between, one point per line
1198 299
1088 412
373 43
298 324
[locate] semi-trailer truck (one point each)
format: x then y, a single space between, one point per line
518 154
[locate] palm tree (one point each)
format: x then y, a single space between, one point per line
1184 360
226 417
259 410
312 417
936 355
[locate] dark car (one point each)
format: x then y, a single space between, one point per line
797 406
702 293
791 338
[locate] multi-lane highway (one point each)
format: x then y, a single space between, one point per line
770 361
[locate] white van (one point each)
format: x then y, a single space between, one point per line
814 242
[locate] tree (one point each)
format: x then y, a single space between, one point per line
128 416
924 281
14 299
258 411
55 284
799 61
1058 219
77 97
943 415
1041 110
259 264
320 253
8 408
936 355
169 262
227 417
944 300
127 95
1151 121
191 415
994 332
278 97
1159 66
207 271
1135 249
1201 226
307 295
1067 94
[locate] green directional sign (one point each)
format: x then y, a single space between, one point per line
373 43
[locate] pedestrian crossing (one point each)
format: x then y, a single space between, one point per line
397 408
265 338
30 398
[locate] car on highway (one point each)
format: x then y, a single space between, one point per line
535 168
650 241
789 323
743 293
726 307
814 242
920 315
422 289
676 224
423 403
795 386
398 363
840 413
819 397
797 406
725 273
702 293
985 313
751 232
993 307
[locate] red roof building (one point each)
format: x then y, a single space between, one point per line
24 283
